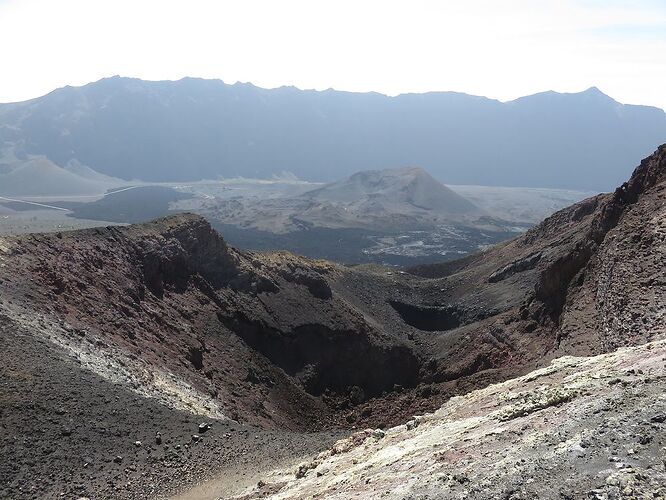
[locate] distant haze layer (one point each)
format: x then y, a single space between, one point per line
194 129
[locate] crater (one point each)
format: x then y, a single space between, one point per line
429 318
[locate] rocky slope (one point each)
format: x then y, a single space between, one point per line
580 428
69 432
173 321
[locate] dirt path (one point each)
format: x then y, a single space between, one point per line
230 483
34 203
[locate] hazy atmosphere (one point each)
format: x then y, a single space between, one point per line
501 50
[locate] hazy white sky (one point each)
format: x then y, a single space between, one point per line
497 48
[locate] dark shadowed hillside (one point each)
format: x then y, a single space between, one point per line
193 129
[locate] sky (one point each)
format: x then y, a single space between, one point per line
501 49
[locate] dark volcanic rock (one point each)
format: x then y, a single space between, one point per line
168 310
101 458
514 267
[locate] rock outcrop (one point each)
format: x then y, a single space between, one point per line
579 428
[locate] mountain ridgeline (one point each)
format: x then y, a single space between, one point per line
192 129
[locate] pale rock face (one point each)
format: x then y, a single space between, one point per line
580 427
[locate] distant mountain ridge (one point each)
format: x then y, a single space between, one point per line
192 129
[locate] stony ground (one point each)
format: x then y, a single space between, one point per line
579 428
101 440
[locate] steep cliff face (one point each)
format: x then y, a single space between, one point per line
584 267
257 332
619 297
